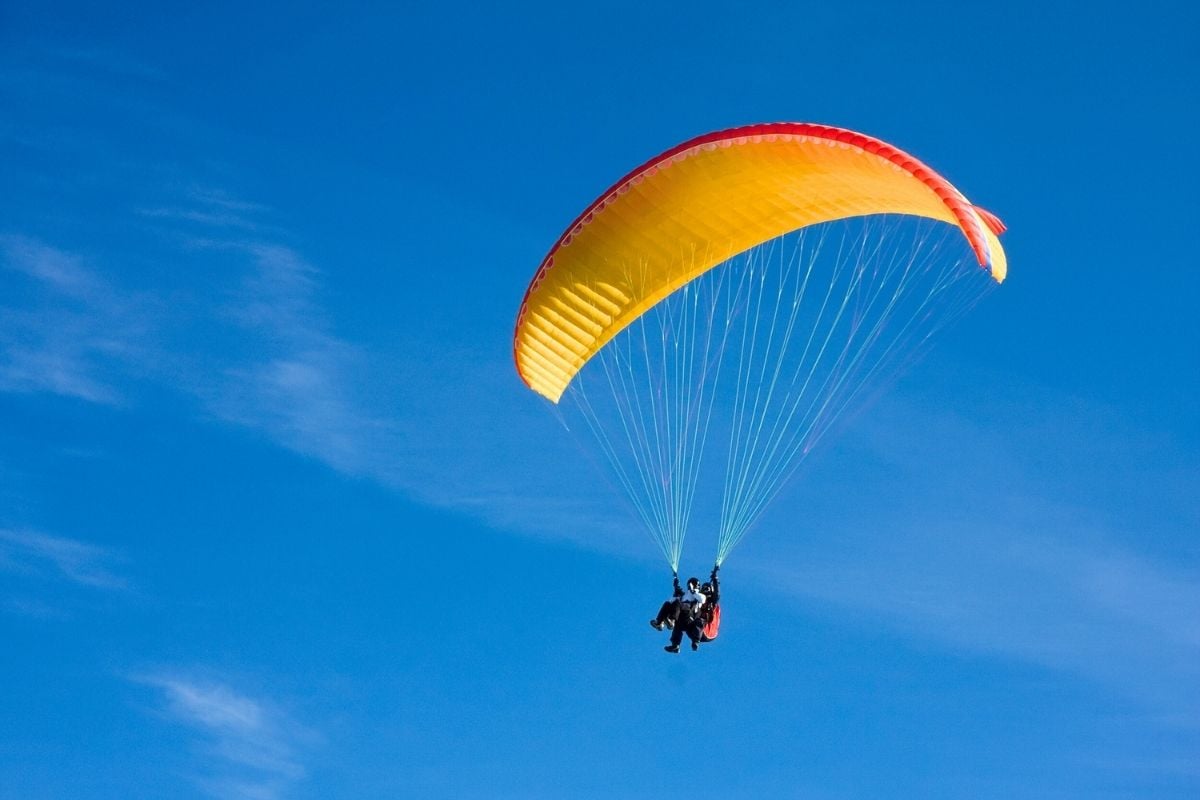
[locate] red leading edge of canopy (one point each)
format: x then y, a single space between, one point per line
958 205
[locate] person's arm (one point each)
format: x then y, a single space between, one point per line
678 588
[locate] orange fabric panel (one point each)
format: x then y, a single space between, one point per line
714 626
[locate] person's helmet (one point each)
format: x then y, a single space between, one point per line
693 584
705 587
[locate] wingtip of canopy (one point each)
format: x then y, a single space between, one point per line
994 223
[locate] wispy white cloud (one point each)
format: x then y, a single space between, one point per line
286 374
223 218
292 378
60 271
219 198
29 607
265 356
970 547
74 335
30 552
416 420
250 748
1107 615
419 423
216 210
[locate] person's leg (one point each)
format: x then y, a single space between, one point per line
665 613
676 638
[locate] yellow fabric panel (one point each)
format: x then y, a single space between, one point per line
682 217
999 259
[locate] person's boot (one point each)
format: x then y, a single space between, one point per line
658 626
672 648
695 645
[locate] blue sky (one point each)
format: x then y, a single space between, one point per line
278 520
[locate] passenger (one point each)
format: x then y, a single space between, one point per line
687 619
669 610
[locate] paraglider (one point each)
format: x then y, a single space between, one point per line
695 612
688 607
710 317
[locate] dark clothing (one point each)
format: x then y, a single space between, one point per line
667 614
691 626
709 608
670 609
688 620
688 612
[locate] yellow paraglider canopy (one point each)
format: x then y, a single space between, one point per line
701 203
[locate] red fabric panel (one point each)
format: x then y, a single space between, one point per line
710 630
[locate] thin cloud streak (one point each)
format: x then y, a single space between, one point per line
230 219
1107 615
216 210
1006 566
30 552
251 749
294 380
287 376
77 337
61 271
